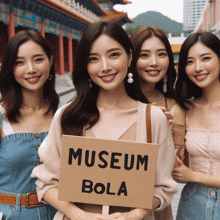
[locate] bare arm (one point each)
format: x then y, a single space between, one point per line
184 174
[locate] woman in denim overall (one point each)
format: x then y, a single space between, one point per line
28 104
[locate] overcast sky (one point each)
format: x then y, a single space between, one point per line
171 8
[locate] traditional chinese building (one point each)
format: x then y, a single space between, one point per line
61 22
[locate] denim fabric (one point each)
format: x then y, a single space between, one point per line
18 156
199 203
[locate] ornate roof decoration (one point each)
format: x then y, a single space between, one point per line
117 16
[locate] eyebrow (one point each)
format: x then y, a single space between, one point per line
202 55
108 51
157 50
35 55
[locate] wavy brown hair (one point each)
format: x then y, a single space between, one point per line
10 89
137 39
83 112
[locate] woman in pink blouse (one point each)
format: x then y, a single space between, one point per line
105 107
198 93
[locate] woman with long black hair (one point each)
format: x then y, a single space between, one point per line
105 107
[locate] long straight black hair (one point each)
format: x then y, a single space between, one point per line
83 112
10 89
185 88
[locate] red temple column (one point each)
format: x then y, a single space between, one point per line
11 26
70 53
61 54
42 30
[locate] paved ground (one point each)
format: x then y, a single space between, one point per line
175 200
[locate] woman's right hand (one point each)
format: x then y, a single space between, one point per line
79 214
167 113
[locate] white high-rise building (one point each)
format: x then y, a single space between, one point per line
191 13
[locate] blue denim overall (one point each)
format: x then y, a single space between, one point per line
18 156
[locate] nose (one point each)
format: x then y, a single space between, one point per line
198 67
105 65
153 60
30 68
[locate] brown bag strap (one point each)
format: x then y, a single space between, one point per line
148 121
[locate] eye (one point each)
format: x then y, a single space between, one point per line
162 54
188 62
18 62
39 59
92 59
115 54
144 55
206 58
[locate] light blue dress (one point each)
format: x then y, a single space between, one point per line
18 156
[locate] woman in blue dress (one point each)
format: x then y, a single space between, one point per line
28 103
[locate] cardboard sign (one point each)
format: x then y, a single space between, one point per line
107 172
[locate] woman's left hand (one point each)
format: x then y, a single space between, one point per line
135 214
181 173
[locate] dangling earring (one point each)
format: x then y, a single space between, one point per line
50 77
130 78
90 83
165 84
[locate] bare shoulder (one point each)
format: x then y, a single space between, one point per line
179 115
170 103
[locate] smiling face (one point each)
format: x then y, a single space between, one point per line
153 62
108 63
202 66
32 66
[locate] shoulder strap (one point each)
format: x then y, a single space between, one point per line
148 122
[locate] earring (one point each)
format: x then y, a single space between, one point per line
130 78
90 83
50 77
165 84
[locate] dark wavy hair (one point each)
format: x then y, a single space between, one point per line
10 89
83 110
137 39
185 88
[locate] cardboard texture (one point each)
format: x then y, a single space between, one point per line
107 172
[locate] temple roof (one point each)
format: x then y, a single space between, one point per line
117 16
121 2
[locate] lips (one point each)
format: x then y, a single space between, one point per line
108 77
154 72
201 77
33 79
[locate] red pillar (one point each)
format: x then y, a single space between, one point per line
70 53
42 30
11 26
61 54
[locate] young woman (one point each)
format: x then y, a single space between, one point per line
28 104
153 62
198 93
106 107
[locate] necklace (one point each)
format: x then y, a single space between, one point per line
34 108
